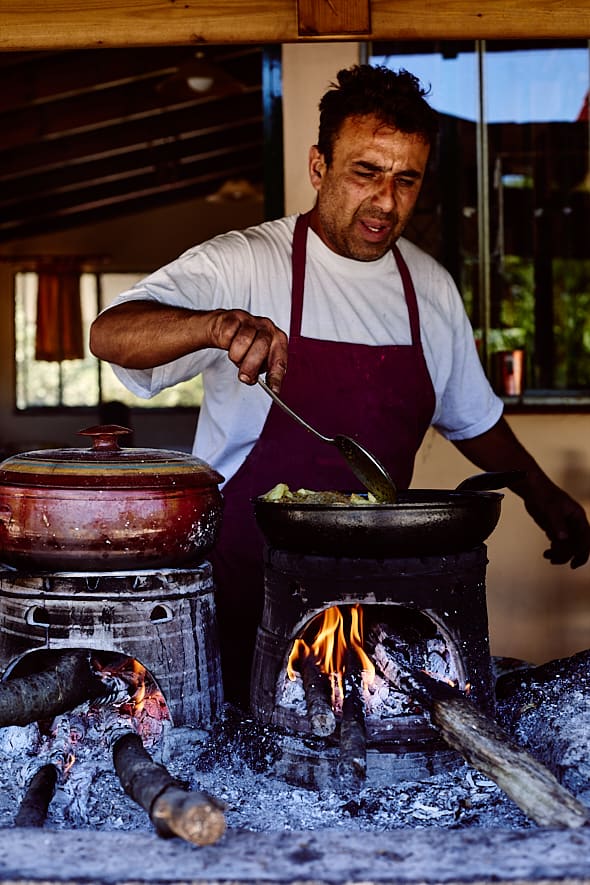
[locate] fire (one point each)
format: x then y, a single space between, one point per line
330 636
142 701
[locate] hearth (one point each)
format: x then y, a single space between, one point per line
433 606
164 619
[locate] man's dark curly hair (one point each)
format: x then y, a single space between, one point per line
394 97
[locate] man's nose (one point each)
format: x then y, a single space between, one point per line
384 195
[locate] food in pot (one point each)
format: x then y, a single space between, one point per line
281 493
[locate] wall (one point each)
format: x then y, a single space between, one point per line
537 611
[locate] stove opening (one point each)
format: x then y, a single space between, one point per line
339 660
130 694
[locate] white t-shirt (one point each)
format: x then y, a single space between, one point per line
344 300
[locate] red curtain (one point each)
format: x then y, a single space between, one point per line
59 334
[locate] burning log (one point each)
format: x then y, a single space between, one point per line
484 744
66 683
316 685
353 736
40 790
194 816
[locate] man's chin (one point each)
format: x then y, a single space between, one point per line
369 251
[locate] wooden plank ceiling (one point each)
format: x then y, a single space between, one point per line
90 135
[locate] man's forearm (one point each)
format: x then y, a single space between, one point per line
144 334
500 449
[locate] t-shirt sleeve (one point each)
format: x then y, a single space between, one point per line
194 281
467 405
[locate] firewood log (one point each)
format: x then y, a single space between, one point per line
40 790
61 686
316 685
353 735
194 816
481 741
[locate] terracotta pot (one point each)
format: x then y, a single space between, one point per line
107 508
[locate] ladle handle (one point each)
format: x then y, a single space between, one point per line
293 414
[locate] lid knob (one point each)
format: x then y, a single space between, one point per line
104 436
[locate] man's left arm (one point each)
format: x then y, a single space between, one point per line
563 520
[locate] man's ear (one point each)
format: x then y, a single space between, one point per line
317 167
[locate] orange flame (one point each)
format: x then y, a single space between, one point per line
356 641
327 644
138 699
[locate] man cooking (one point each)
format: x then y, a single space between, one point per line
360 331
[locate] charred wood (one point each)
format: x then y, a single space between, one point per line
69 681
353 735
194 816
547 709
316 685
485 745
40 790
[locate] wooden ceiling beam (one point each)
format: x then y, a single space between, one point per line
165 153
119 198
48 24
87 146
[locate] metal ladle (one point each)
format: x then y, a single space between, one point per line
363 464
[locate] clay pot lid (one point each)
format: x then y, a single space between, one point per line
106 464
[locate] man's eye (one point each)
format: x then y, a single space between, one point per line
406 182
364 174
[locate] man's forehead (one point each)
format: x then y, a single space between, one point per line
362 138
369 128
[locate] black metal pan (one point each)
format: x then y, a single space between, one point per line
423 522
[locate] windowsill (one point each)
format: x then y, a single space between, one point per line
546 401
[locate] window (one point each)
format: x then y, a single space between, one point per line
54 308
507 206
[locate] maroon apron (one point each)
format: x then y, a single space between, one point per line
381 395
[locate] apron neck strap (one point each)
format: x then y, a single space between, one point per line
298 281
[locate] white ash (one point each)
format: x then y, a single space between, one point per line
233 762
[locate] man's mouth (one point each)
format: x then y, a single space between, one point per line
376 230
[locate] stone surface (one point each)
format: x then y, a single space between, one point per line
402 856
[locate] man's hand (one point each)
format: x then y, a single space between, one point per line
562 519
254 344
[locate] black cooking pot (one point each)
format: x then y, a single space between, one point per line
423 522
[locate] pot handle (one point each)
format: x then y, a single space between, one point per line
486 482
104 436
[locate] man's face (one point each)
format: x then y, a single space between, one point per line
367 194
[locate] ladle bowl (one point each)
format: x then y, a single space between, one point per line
363 464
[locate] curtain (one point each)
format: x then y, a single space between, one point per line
59 334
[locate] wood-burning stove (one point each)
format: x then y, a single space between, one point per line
443 597
165 619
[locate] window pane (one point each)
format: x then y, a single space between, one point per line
540 212
523 179
51 382
75 382
188 393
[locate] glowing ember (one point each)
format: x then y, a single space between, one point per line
143 702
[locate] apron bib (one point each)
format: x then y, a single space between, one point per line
381 396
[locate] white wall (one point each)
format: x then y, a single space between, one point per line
308 70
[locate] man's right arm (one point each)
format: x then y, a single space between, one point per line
144 334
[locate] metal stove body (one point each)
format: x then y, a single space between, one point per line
447 590
164 619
